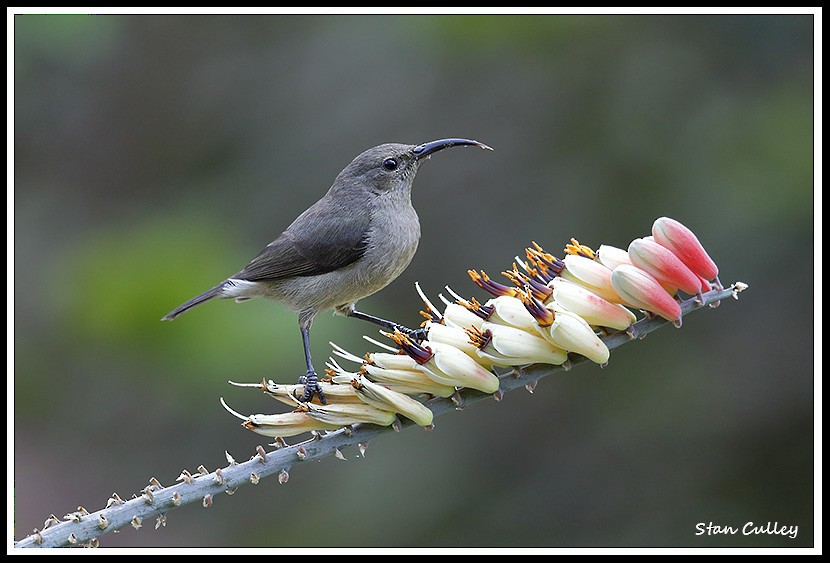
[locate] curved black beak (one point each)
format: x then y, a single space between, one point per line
427 149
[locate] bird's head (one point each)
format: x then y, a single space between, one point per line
391 167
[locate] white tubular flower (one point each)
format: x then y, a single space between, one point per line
503 309
461 317
286 424
455 314
452 335
510 346
382 398
412 382
282 425
409 381
611 256
451 366
391 361
388 360
289 394
566 330
447 364
590 306
346 414
571 332
510 311
590 274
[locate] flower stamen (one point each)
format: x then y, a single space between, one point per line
579 249
543 315
421 354
548 265
478 338
540 291
495 289
473 305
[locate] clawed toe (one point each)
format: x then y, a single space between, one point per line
312 388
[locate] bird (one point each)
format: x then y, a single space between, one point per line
354 241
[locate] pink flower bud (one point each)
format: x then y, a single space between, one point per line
684 244
641 290
661 263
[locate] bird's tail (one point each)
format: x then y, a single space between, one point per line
198 300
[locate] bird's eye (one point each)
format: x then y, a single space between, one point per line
390 164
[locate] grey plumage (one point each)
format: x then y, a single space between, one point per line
350 244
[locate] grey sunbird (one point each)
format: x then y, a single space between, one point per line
353 242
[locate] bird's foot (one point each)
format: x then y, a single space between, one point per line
413 334
312 387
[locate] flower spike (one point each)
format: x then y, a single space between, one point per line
549 309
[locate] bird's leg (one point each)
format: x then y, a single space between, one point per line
312 384
415 334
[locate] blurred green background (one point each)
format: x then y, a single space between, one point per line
155 155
